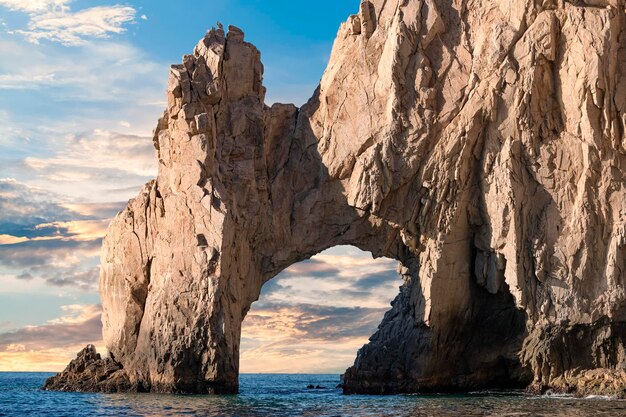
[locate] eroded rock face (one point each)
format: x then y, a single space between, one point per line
480 143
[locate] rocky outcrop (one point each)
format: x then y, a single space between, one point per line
586 383
480 143
90 373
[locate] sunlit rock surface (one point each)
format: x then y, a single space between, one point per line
480 143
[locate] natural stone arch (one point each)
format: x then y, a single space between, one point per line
458 143
243 192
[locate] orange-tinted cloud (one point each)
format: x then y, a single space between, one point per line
61 262
78 229
43 237
50 347
315 315
305 338
89 152
10 240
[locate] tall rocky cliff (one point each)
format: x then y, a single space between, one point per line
481 143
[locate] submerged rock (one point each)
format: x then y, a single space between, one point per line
480 144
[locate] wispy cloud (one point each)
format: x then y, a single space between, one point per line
53 20
79 230
305 338
96 211
98 150
59 262
24 82
51 346
97 166
74 147
42 237
311 322
10 240
24 207
36 6
79 325
130 74
308 318
336 278
34 213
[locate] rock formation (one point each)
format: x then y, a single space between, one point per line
90 373
480 143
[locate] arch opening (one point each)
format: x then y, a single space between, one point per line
315 315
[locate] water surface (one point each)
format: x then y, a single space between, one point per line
287 395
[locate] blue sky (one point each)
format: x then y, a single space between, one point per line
81 86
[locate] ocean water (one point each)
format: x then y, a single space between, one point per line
287 395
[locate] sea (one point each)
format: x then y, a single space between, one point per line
288 395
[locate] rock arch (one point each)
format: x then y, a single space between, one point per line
480 145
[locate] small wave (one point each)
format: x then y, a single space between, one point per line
501 392
601 397
557 396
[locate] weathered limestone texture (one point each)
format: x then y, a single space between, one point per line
480 143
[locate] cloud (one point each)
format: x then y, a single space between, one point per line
76 106
35 6
10 240
24 207
78 314
335 278
369 282
22 81
130 77
42 253
80 326
51 346
84 280
98 165
38 241
311 322
305 338
316 314
78 229
60 262
316 267
44 238
71 29
25 276
31 213
99 150
96 211
53 20
5 324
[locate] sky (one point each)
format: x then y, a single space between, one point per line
82 83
